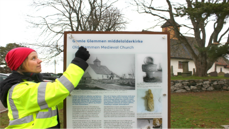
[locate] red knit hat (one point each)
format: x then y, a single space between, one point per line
15 57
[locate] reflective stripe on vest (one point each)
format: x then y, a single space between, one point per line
12 105
23 120
66 83
48 114
28 119
41 95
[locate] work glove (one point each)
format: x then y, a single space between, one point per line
82 53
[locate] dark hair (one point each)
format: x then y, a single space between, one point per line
21 67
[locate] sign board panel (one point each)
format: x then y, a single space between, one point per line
126 84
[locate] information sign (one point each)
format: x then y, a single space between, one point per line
126 84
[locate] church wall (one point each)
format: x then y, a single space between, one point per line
175 64
212 69
191 65
223 69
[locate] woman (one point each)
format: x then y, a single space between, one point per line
32 103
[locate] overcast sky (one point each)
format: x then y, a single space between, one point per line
15 29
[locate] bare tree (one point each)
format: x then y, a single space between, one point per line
72 15
200 13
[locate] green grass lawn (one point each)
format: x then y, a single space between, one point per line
188 110
4 121
200 110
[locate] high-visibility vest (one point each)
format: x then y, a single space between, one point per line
34 105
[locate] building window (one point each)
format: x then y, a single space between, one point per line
180 65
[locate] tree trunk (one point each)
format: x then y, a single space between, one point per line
201 66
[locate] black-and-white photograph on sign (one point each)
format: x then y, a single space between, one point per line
109 72
149 68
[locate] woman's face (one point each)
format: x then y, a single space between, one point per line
32 63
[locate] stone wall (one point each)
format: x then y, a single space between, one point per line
199 85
